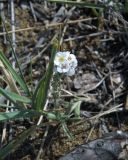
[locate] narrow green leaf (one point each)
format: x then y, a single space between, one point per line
76 108
6 106
51 116
13 97
18 114
37 98
40 95
126 6
17 78
82 3
66 130
26 89
7 96
14 144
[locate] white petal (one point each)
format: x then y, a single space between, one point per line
71 72
74 63
61 57
71 57
62 70
67 53
65 63
63 67
63 53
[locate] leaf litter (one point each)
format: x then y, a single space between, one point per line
100 44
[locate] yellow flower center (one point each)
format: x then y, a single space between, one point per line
61 59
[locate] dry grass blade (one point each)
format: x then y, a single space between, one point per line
9 79
113 109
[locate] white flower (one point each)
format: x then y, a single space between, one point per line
72 60
71 72
65 63
63 67
61 57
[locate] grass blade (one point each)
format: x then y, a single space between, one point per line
40 95
13 97
6 106
15 75
12 146
16 59
76 108
66 130
5 116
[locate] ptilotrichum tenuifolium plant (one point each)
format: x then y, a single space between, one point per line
65 63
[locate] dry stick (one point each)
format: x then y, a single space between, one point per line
125 23
4 129
13 24
18 30
48 26
97 85
113 92
111 99
81 97
45 4
86 97
14 48
95 118
65 23
13 29
41 117
42 144
41 52
113 109
13 32
99 74
93 35
100 111
70 22
112 85
3 17
33 12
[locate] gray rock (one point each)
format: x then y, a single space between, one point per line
107 148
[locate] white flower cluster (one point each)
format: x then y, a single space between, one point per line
65 63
